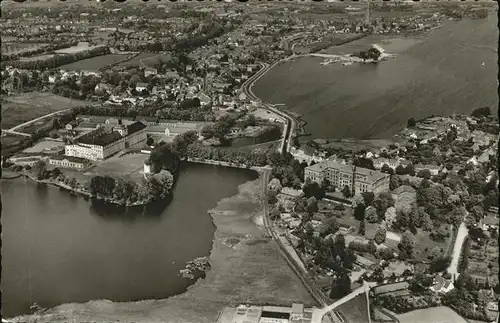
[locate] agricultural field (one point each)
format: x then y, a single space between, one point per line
28 106
147 60
483 261
94 63
17 48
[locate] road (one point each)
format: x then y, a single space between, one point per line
457 249
290 122
37 119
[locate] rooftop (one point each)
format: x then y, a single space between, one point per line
404 189
69 158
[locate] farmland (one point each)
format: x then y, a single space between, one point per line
94 63
28 106
147 59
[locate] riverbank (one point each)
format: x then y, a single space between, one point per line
246 267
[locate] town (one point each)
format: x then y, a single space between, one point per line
109 102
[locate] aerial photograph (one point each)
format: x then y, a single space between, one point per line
249 162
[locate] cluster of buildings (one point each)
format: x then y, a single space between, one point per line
339 174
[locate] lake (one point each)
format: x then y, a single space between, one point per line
58 248
452 70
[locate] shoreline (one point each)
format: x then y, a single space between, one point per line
236 274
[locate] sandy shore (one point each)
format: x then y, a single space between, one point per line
246 267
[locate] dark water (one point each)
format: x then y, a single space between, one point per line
58 248
441 73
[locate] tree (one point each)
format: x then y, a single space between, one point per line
411 123
341 286
368 197
380 235
359 212
362 228
386 169
40 169
481 112
424 173
56 172
312 205
314 189
371 214
163 157
274 213
465 281
407 243
207 131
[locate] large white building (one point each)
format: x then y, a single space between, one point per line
341 175
102 142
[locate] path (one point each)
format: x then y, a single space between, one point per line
457 249
317 316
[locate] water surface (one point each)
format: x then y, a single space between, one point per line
452 70
58 248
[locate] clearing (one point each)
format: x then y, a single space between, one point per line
24 107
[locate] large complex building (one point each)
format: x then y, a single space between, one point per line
103 142
340 175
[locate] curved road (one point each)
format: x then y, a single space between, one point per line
290 122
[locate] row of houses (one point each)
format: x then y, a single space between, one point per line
56 161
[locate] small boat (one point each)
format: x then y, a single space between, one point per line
347 63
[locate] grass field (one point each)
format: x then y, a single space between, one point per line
424 241
75 49
438 314
28 106
355 310
147 59
44 144
94 63
130 165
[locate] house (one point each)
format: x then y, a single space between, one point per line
434 169
150 71
364 262
441 285
102 87
490 221
68 162
378 163
141 86
72 125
